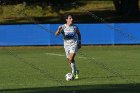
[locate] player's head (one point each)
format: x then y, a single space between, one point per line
69 19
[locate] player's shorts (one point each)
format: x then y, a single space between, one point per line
70 49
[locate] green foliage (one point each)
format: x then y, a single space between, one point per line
101 8
20 10
33 11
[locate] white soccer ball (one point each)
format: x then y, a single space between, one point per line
69 76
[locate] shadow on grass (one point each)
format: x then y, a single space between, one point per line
106 88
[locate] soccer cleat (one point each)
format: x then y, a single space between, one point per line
76 74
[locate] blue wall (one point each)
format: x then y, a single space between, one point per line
43 34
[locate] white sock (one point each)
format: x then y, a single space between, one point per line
73 67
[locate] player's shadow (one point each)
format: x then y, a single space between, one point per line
104 88
107 77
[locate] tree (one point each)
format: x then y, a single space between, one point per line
126 7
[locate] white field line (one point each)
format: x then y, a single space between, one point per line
54 54
61 55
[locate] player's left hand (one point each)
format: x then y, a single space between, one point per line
79 46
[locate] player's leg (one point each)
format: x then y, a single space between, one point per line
70 54
72 62
67 51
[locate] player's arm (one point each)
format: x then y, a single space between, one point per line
58 31
79 38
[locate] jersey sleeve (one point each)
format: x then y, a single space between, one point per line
63 26
77 28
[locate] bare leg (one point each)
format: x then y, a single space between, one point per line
72 62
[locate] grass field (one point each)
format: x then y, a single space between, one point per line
103 69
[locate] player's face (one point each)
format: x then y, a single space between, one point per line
69 20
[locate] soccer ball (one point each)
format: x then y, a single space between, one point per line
69 76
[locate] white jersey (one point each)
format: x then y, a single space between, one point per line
70 35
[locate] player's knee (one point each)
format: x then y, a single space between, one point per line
71 60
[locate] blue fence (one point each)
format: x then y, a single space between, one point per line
43 34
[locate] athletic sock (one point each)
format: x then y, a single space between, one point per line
73 67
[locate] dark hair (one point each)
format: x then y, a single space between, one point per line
67 15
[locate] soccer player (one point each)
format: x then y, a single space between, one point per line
72 41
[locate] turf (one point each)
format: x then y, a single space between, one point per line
103 69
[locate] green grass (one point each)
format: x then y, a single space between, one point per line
115 69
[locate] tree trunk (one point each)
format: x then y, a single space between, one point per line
126 7
118 6
132 7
